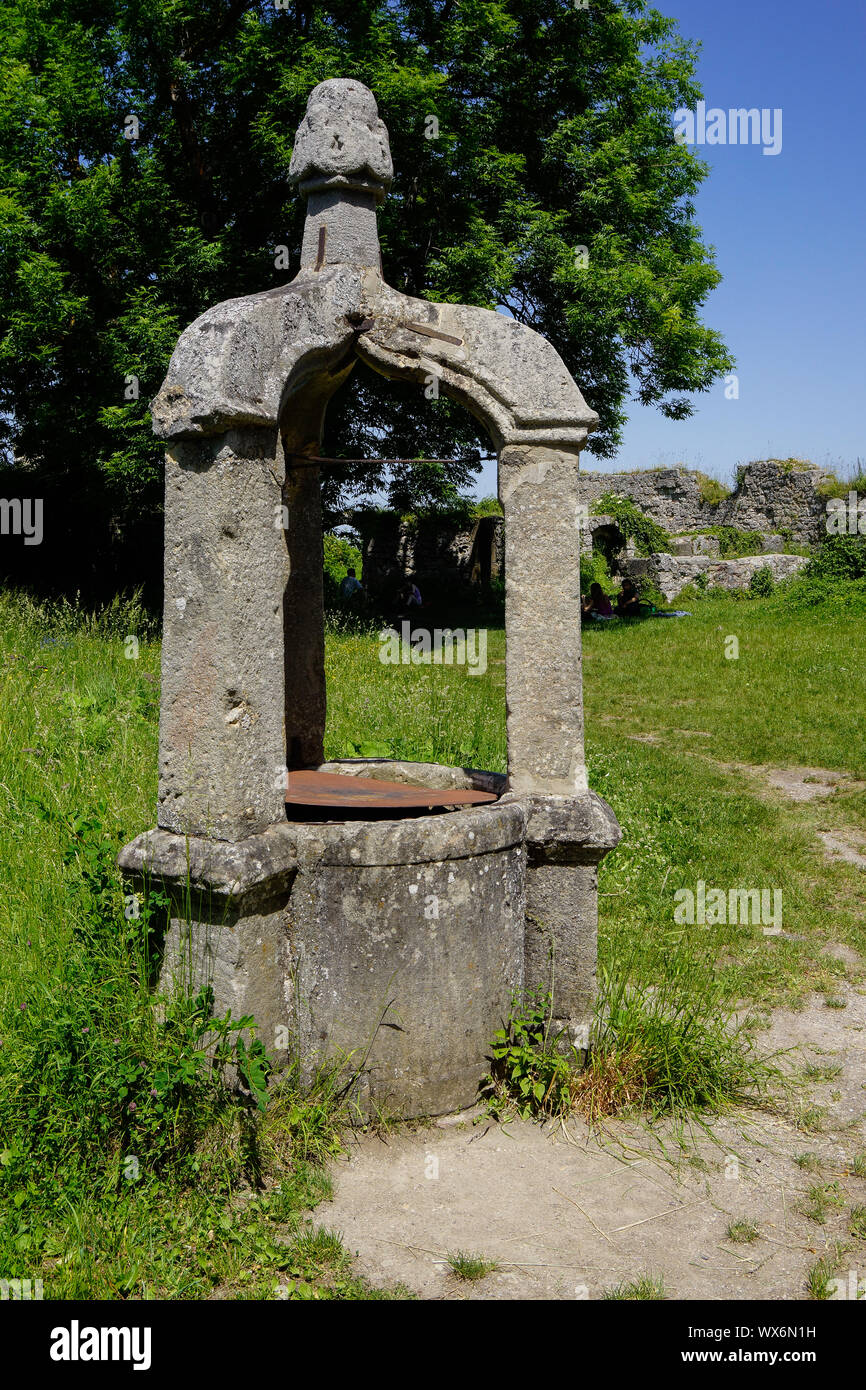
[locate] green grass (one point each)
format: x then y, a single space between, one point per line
819 1278
795 695
820 1199
470 1267
645 1289
220 1195
743 1232
857 1222
127 1168
711 490
810 1162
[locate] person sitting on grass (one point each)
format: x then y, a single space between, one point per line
628 604
596 603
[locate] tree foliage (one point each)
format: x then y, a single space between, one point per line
554 133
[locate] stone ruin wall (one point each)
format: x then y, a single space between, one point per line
432 548
769 498
780 502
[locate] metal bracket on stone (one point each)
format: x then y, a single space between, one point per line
431 333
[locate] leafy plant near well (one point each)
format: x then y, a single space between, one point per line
648 536
672 1048
532 1073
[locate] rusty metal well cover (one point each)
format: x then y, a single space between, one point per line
342 792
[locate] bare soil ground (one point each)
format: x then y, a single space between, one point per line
572 1213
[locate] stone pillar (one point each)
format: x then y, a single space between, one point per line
222 722
538 490
340 229
568 828
566 841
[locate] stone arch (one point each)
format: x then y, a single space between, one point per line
241 410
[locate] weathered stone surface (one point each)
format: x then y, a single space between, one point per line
341 141
772 544
222 720
219 868
671 573
542 621
694 545
235 363
770 496
243 361
565 843
417 959
393 547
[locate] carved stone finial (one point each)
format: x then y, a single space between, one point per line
341 143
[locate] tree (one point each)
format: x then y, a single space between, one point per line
144 156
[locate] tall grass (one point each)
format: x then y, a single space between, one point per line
120 1145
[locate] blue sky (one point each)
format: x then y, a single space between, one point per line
790 237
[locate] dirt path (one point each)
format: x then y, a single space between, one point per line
573 1215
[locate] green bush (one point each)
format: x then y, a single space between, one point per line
648 536
833 486
594 570
711 490
488 506
341 554
762 584
734 543
838 558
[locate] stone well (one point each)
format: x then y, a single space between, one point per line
395 942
